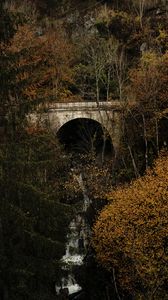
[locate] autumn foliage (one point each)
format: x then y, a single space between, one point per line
130 234
43 61
148 82
65 51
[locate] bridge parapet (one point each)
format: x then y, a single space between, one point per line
106 105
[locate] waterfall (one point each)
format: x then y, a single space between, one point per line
77 243
86 199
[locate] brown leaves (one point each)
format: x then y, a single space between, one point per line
42 62
149 81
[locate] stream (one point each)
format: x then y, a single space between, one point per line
76 247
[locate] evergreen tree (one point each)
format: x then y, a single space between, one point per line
33 219
33 214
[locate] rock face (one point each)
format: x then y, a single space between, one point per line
144 47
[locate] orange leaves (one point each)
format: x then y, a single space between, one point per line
132 229
34 130
41 61
24 38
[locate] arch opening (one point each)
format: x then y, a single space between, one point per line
84 136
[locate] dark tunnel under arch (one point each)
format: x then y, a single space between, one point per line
84 135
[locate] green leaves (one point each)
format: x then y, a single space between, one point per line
34 222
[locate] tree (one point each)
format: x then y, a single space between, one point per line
35 66
97 66
147 90
7 29
34 215
130 234
34 222
141 6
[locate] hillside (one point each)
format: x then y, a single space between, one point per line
78 51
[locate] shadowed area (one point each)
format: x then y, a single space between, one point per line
84 136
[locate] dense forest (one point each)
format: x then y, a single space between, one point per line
84 51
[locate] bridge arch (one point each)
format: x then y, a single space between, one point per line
85 135
80 115
108 114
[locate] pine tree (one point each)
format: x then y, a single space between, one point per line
33 214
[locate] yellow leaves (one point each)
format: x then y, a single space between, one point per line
149 58
134 226
162 38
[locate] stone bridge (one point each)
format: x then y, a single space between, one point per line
108 114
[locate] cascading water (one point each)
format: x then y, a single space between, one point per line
76 247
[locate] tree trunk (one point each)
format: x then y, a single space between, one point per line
146 142
133 162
